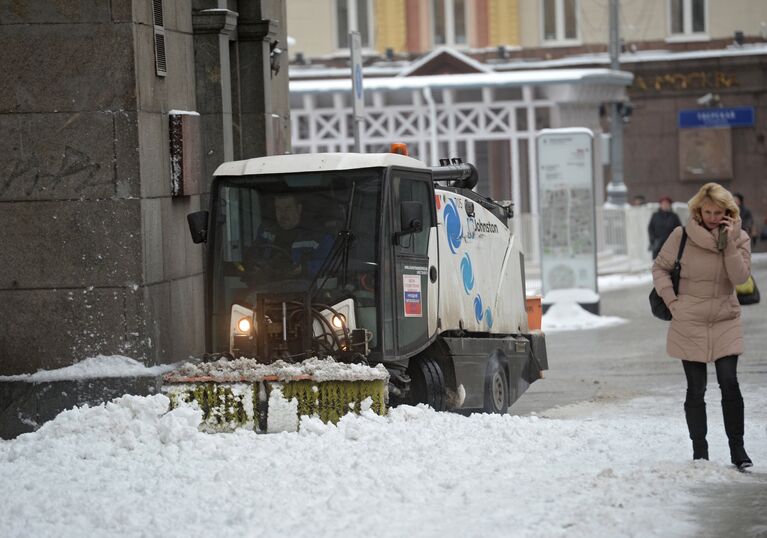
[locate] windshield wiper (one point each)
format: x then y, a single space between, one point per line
338 257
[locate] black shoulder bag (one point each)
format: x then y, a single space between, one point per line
658 307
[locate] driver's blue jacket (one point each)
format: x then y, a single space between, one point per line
306 249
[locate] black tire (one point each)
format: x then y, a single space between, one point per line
427 383
496 388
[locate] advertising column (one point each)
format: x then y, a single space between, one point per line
568 243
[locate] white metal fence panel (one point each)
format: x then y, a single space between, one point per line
623 243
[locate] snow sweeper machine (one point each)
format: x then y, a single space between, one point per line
343 282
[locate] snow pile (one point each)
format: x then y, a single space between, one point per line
569 316
617 281
131 468
283 413
99 366
128 423
244 369
571 295
623 280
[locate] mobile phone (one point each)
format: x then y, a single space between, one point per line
722 240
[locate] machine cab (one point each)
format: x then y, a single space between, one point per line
329 255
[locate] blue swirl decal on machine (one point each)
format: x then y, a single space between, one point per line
489 318
467 272
453 227
478 310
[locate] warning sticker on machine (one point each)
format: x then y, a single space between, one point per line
411 288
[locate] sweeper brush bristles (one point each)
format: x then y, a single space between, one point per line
224 406
330 400
243 393
228 406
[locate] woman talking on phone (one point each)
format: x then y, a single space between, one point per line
706 324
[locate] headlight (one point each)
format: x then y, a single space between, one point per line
244 325
339 321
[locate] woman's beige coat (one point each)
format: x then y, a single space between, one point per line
706 316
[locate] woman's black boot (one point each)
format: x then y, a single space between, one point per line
739 457
695 413
700 450
732 410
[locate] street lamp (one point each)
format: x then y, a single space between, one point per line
616 189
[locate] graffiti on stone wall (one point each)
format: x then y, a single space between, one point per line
76 169
696 80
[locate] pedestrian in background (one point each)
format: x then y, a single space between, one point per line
747 220
706 324
662 223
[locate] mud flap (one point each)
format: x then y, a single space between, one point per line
471 355
539 360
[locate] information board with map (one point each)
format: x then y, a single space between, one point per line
566 209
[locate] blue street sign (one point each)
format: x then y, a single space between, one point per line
739 116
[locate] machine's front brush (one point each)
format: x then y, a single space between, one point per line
243 393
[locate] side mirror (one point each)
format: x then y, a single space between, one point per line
411 219
198 226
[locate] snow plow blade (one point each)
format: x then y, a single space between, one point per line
267 398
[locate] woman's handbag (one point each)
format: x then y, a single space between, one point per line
747 292
658 307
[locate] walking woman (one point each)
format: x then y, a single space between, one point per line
706 324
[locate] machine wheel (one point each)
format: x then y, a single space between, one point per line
496 388
427 383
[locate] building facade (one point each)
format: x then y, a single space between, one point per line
541 29
685 55
113 119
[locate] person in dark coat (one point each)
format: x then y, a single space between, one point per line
662 223
746 218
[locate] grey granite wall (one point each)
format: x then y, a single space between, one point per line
96 255
69 184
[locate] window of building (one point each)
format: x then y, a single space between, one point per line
160 60
354 15
449 22
687 17
560 20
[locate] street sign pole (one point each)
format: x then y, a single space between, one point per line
358 96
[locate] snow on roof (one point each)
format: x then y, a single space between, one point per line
567 131
285 164
749 49
322 71
637 57
420 62
472 80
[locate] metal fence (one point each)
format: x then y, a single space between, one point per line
623 243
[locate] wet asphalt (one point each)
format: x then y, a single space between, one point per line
630 360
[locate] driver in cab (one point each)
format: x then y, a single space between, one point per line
283 248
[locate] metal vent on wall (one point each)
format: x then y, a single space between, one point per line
159 39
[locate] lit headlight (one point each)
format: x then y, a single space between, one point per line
244 325
339 321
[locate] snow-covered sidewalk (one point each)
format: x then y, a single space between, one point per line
613 468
